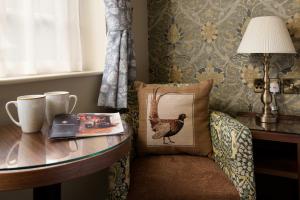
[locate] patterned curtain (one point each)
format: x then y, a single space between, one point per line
120 65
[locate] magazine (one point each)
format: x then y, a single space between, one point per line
86 125
100 123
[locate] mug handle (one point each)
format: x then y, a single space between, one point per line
9 114
75 101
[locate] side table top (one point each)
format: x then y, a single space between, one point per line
31 150
32 160
286 124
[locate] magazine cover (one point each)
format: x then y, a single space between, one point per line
85 125
64 126
99 124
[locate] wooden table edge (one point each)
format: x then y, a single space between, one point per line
275 136
53 174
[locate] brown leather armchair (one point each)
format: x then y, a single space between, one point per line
228 175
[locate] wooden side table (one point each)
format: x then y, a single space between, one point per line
287 130
32 161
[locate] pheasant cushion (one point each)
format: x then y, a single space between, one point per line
174 119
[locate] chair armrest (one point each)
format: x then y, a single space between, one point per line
119 172
119 179
232 151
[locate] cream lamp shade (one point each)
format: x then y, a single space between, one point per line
267 34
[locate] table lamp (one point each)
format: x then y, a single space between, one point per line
266 35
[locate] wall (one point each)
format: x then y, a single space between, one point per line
86 88
193 40
90 187
140 34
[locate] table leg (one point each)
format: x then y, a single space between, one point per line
50 192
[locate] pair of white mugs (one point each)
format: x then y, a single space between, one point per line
33 109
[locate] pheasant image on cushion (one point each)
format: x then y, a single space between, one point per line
163 128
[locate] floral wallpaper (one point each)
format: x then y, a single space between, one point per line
193 40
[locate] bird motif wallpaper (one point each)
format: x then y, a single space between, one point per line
194 40
168 122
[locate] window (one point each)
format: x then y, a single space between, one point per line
93 34
51 36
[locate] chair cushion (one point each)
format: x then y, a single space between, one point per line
179 177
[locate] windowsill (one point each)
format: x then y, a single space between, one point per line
46 77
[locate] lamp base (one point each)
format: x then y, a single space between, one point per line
266 118
266 97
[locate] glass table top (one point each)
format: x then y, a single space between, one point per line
29 150
285 124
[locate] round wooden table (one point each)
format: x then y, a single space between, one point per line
31 160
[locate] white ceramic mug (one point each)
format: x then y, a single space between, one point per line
31 112
57 102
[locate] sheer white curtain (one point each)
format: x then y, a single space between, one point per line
39 37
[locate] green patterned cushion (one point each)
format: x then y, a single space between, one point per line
232 147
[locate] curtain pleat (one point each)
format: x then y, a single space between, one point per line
120 65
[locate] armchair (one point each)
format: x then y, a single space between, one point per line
229 174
